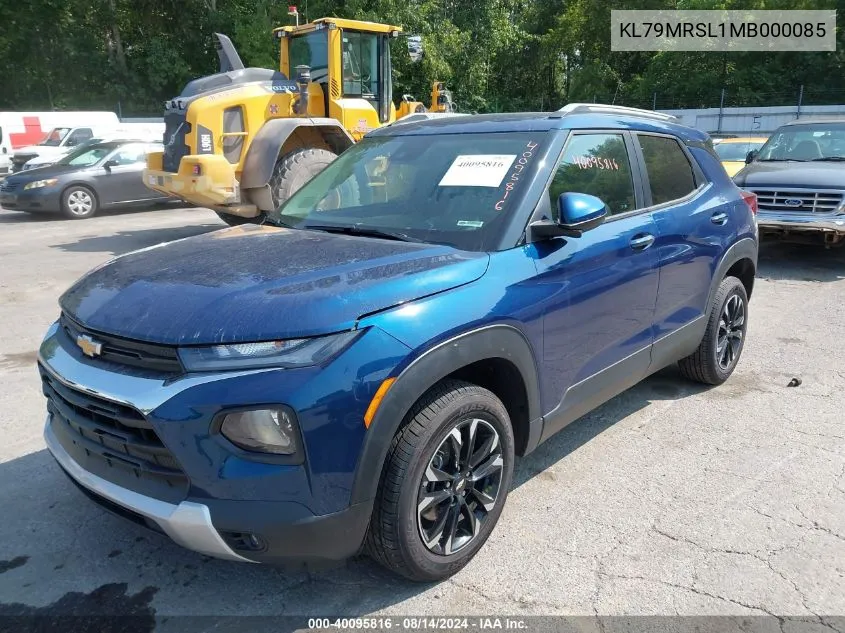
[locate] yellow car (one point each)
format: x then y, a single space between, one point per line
732 151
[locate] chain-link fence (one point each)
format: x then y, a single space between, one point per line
726 98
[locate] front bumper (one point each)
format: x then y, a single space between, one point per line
800 222
40 199
188 523
301 512
285 532
215 186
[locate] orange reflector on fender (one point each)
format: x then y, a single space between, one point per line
376 401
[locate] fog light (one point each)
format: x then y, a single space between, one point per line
244 541
261 430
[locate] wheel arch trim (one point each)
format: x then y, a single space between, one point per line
493 341
746 248
268 142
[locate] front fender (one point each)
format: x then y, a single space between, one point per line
267 144
493 341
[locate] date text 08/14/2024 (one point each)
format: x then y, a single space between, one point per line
418 623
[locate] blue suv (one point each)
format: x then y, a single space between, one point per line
360 371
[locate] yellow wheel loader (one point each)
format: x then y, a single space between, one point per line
243 140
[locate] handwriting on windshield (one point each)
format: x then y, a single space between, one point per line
516 173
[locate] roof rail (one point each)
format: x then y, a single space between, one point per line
602 108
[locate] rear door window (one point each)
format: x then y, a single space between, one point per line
130 154
670 174
596 164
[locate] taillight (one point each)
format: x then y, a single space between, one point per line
750 199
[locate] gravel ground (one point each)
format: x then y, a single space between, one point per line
670 499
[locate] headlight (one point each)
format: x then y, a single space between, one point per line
300 352
261 430
35 184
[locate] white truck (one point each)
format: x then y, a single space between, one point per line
38 133
148 132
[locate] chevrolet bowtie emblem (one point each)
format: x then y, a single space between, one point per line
89 346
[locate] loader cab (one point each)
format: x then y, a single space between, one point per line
350 61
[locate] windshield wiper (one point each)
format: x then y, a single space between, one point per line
781 160
830 158
362 230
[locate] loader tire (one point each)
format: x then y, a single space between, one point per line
295 169
236 220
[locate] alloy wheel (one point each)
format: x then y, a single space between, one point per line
731 331
460 486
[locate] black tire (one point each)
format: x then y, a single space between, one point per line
236 220
79 202
395 536
295 169
719 351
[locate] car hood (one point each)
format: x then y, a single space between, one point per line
40 173
258 283
792 174
41 150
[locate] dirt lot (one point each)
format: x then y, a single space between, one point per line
669 499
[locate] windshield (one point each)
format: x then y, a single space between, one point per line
736 151
87 156
806 142
457 189
310 50
56 136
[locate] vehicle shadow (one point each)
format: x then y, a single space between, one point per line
800 262
10 216
667 384
130 240
65 553
70 557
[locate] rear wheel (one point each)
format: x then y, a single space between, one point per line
78 203
718 354
444 482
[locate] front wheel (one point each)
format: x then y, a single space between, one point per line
78 203
719 351
444 483
295 169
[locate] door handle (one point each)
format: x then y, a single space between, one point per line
642 241
719 218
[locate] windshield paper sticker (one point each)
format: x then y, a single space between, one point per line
478 170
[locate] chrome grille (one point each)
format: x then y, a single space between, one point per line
799 200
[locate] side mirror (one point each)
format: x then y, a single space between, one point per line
577 212
750 156
415 47
109 164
